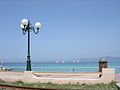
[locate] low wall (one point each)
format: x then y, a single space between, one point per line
108 75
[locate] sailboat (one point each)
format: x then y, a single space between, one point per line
1 66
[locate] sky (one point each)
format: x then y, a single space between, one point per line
70 29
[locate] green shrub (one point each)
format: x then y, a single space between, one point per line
99 86
18 83
1 81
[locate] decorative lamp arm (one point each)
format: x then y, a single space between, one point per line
24 32
36 32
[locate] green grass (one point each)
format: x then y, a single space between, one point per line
100 86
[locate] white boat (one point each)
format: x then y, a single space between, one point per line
1 66
73 61
63 61
60 61
76 61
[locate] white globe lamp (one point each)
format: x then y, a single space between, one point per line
24 22
37 25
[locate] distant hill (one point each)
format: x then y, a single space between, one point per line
108 58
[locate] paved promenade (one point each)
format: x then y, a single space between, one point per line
53 75
56 75
11 74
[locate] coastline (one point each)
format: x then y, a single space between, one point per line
66 67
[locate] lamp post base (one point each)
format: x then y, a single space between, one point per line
28 68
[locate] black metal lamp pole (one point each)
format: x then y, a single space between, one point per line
26 27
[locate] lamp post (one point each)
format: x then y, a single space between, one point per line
27 27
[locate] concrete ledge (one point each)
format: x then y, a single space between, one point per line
108 75
118 86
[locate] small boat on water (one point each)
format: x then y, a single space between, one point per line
3 68
63 61
76 61
60 61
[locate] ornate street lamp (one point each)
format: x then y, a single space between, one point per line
27 27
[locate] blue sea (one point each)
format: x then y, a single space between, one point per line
62 67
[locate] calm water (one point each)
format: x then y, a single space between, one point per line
66 67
